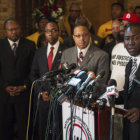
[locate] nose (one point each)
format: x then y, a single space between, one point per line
131 41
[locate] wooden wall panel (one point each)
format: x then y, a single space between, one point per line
98 11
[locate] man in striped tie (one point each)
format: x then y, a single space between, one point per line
130 96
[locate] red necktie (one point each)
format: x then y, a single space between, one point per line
50 58
80 59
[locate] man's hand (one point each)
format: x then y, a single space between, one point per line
46 96
133 114
14 90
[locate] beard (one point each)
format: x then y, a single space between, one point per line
120 36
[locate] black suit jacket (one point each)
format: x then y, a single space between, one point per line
15 71
133 99
40 64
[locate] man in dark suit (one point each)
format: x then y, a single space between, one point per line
131 94
47 59
85 55
16 54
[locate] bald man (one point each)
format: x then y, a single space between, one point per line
130 96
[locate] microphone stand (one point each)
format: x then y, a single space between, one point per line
112 112
70 98
71 129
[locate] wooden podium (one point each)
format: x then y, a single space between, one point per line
96 122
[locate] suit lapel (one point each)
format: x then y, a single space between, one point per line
128 71
44 61
87 57
8 48
137 75
74 56
57 58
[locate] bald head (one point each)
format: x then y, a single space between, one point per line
134 27
115 27
132 39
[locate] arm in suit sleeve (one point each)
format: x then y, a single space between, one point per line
27 81
34 74
102 65
63 58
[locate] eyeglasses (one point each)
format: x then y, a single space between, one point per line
12 29
82 35
51 31
134 37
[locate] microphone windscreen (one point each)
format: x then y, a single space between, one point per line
72 66
92 74
112 82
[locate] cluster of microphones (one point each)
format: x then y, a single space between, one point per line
80 84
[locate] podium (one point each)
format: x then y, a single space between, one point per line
88 124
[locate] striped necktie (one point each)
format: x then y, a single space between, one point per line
133 71
14 48
80 59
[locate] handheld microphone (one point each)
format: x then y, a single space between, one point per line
111 88
112 93
91 83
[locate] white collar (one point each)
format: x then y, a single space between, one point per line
138 59
12 42
84 51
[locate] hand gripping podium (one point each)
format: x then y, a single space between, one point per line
88 124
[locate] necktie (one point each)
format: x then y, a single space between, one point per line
14 48
80 59
50 58
133 71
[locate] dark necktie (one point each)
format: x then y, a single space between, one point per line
133 71
50 58
14 48
80 58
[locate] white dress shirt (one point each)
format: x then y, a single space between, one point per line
56 46
12 42
84 51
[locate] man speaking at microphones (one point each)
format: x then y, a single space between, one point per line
85 55
47 59
130 97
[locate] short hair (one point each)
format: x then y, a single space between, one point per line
80 24
82 21
137 7
118 4
8 20
52 21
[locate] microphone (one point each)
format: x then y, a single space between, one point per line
64 69
91 83
135 79
102 103
111 88
70 85
91 75
112 93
